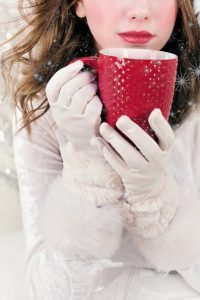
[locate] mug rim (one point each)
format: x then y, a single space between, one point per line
123 53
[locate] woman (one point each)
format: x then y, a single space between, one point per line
82 242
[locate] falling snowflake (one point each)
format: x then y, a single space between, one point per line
190 102
196 70
175 126
38 77
172 114
49 62
190 24
182 81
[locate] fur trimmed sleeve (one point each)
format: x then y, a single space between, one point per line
178 246
69 240
81 212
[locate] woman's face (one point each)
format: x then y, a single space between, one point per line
108 18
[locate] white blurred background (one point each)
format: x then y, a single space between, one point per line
12 253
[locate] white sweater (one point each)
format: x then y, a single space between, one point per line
78 246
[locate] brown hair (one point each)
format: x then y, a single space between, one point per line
52 35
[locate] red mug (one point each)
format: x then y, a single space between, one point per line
133 82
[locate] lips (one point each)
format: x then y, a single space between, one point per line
136 37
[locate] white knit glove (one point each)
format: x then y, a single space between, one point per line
75 107
151 197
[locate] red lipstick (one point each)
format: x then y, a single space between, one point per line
136 37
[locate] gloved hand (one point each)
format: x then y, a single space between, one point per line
76 110
150 188
75 106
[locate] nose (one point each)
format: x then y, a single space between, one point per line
139 10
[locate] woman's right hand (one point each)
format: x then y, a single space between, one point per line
75 106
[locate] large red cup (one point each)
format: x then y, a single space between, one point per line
133 82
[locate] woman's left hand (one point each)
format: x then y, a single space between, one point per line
145 172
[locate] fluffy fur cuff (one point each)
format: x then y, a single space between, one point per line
70 220
178 247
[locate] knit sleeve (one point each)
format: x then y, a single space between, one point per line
68 231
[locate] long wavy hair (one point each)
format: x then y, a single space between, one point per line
51 35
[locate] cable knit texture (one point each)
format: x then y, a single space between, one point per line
150 217
95 178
